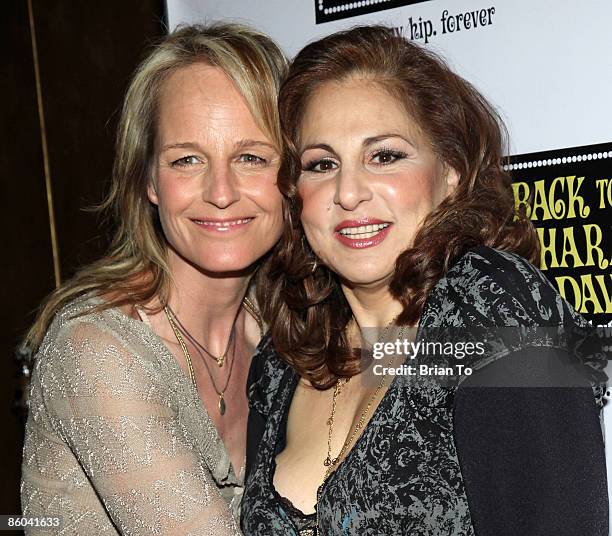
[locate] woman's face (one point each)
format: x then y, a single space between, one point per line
215 174
369 179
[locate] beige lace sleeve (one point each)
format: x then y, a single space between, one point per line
105 403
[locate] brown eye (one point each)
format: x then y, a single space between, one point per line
320 166
387 157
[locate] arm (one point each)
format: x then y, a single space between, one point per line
117 417
530 446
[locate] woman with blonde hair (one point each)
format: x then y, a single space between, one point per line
138 409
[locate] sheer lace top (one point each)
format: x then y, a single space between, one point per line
117 439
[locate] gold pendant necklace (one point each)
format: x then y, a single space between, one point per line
221 405
184 331
250 308
329 462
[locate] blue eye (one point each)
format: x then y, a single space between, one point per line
320 166
387 156
252 159
186 161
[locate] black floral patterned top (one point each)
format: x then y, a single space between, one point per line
449 458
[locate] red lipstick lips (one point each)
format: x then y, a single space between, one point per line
362 233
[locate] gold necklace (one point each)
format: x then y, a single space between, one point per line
183 346
221 405
249 308
200 347
329 462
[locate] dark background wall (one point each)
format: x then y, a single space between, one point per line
86 52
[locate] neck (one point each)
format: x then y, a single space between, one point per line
206 304
373 307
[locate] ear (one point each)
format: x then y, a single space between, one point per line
152 192
452 180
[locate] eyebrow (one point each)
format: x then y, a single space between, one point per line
375 139
241 144
250 143
322 146
182 145
366 143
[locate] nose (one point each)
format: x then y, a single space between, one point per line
352 188
220 187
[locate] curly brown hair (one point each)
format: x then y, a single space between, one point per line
304 303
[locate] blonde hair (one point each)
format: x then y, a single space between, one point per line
135 269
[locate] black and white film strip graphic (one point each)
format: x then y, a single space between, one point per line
329 10
587 154
558 160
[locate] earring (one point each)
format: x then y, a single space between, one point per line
315 265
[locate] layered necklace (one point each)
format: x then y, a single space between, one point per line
332 463
329 462
180 332
176 323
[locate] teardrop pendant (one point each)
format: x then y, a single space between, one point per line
221 404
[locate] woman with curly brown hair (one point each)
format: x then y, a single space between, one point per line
401 216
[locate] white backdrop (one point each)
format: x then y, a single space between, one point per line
545 64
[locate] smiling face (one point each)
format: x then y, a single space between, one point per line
215 173
369 179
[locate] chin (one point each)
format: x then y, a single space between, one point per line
222 261
228 264
365 276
